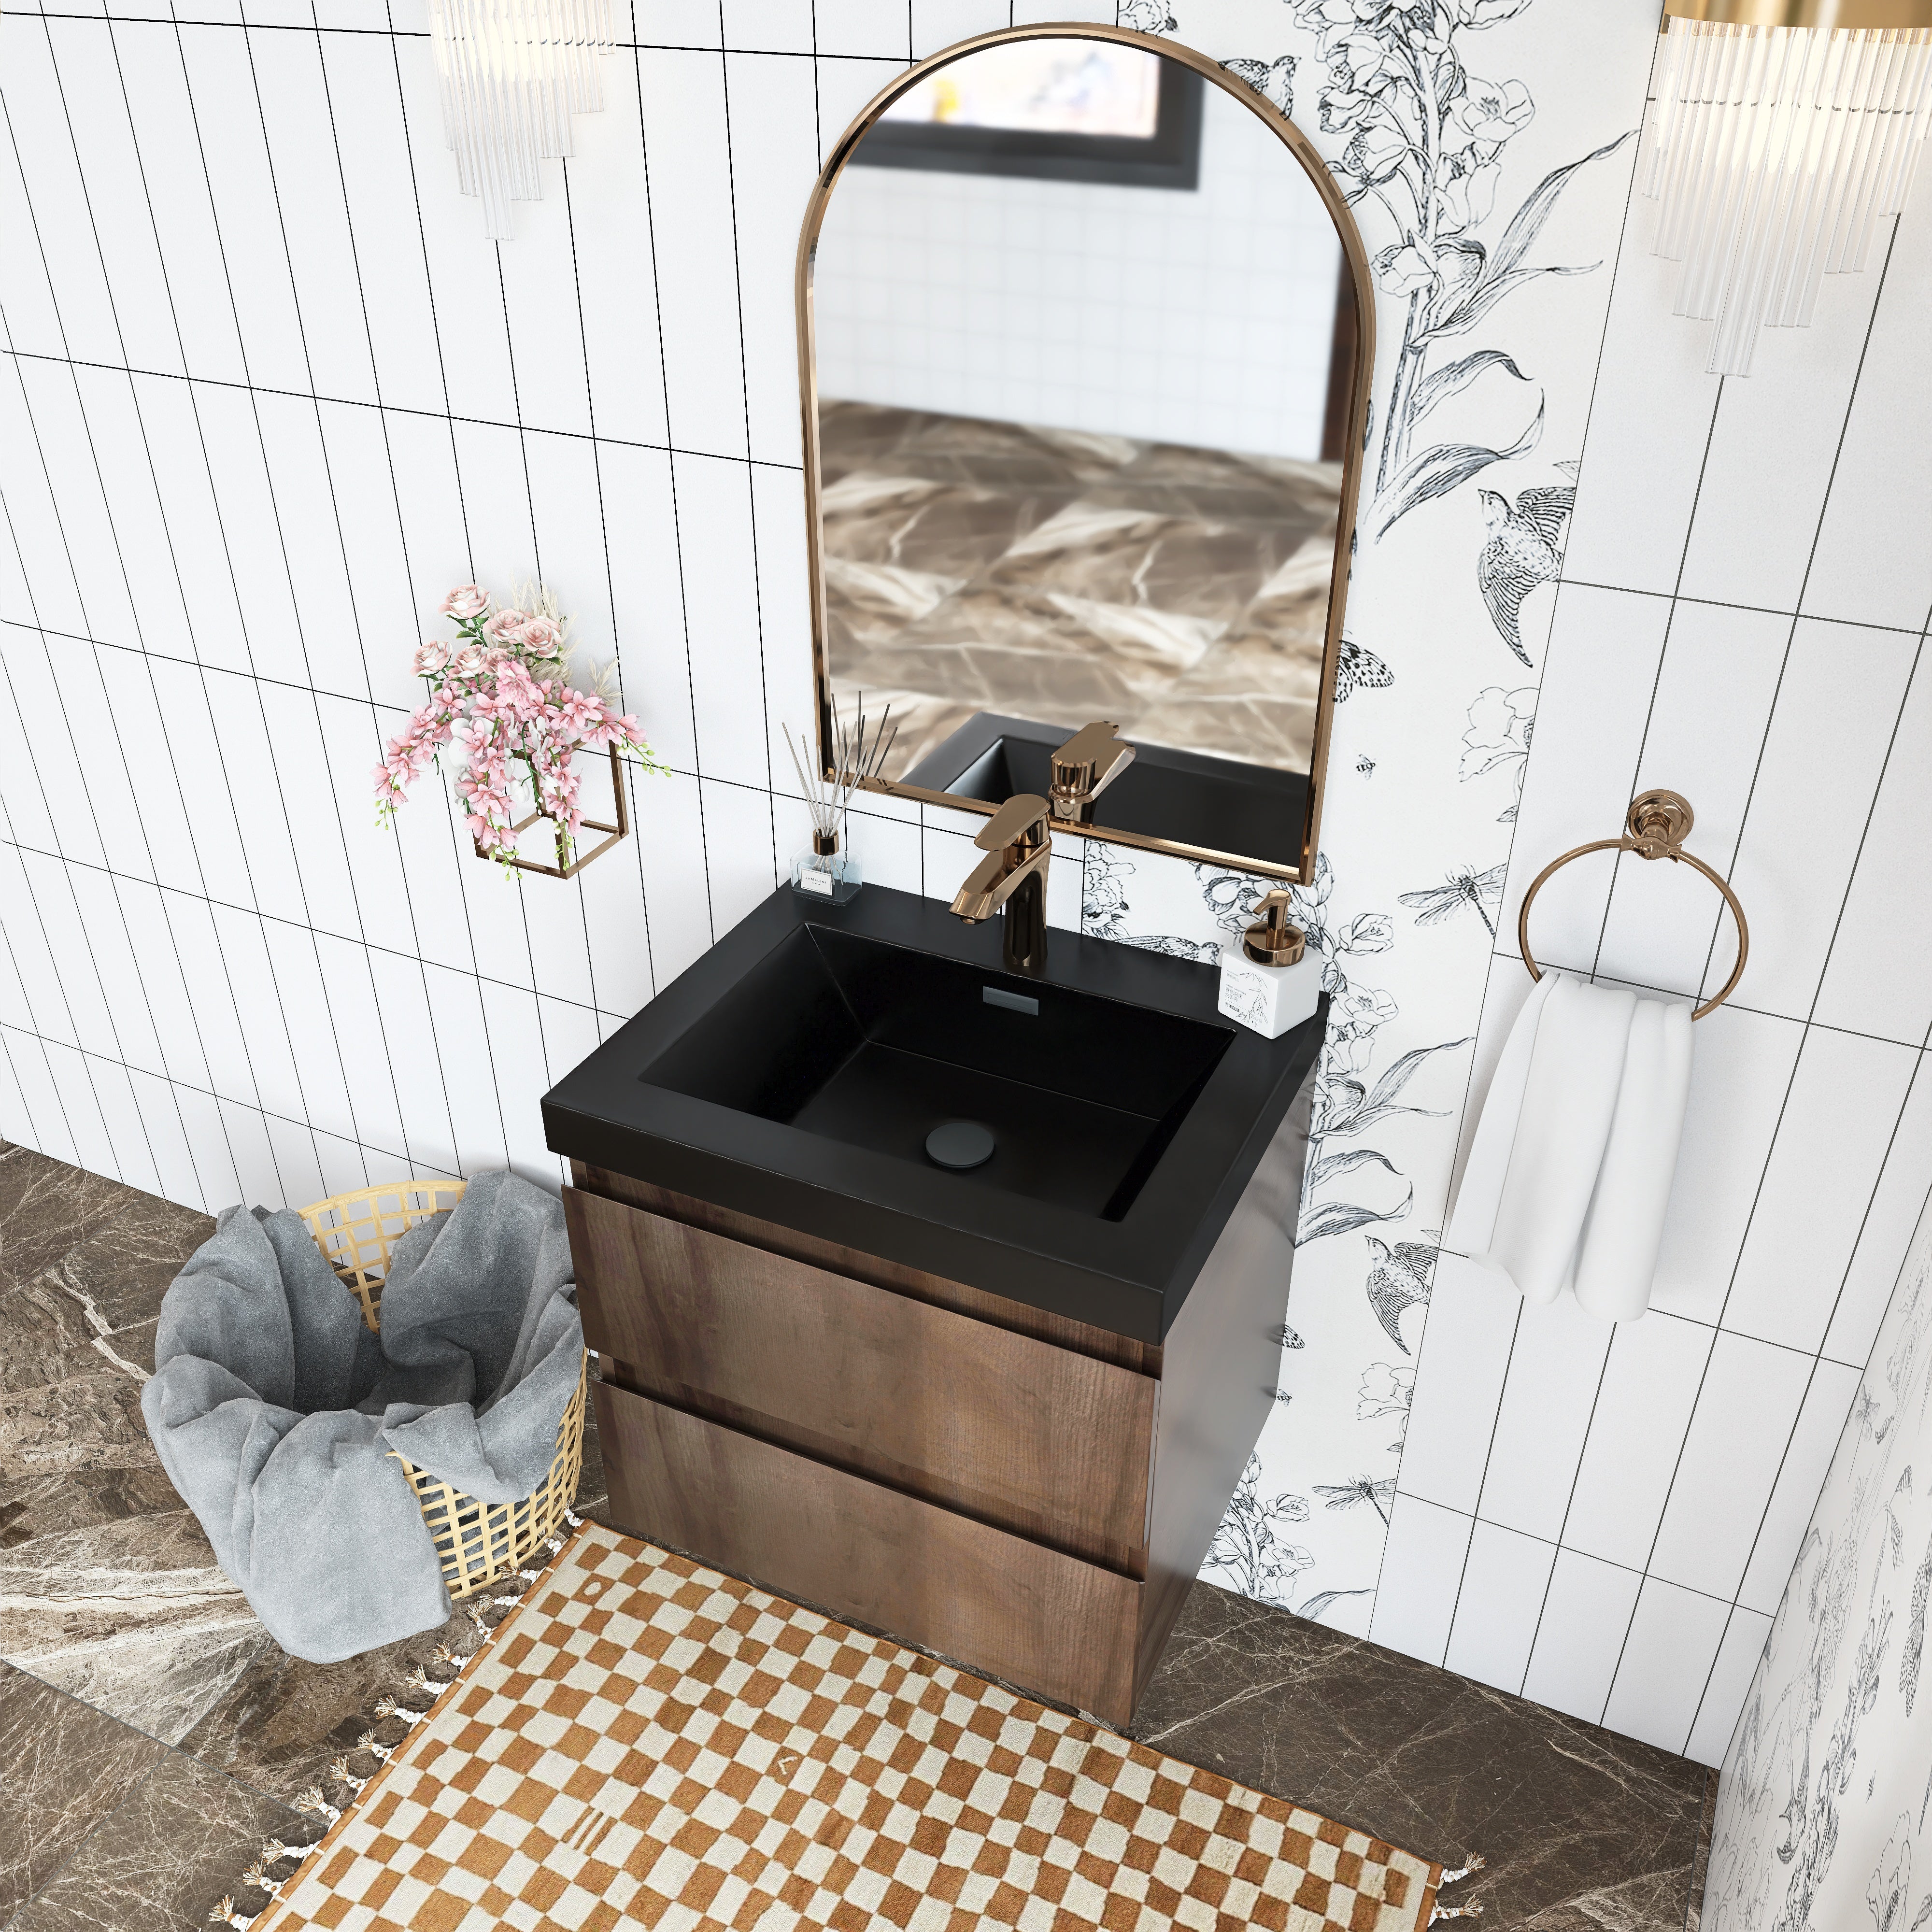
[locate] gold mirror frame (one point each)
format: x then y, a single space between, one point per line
1298 145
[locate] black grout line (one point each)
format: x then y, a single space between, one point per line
1744 820
1898 1120
671 483
294 925
1468 1085
404 410
1733 1004
1609 1562
219 1099
395 33
1727 604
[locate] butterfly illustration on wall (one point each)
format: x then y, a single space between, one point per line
1465 887
1357 668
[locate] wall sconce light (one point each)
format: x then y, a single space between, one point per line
1783 130
511 73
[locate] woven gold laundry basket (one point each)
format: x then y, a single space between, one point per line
476 1542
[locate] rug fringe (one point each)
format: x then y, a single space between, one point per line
1477 1862
315 1802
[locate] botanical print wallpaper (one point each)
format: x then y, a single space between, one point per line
1825 1791
1487 223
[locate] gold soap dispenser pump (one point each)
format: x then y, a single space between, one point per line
1269 981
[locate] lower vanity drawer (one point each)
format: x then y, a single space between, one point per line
1052 1444
1037 1618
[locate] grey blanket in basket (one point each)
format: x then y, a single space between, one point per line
273 1407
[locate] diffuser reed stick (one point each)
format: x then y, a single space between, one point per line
859 748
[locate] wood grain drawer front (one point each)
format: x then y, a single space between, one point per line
1053 1445
1040 1619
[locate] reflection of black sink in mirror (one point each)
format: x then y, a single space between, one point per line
875 1045
793 1072
1189 798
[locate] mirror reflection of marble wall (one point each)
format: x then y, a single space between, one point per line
1080 439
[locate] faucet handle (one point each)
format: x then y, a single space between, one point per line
1085 765
1015 823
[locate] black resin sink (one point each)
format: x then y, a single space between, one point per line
874 1046
796 1071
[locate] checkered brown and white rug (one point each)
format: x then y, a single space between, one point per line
644 1742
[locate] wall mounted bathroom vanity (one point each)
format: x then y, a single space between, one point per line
997 1403
997 1411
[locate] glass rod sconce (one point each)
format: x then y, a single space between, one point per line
1782 131
511 73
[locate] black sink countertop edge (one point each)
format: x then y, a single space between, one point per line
1130 1275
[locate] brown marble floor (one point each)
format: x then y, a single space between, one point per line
1063 576
151 1733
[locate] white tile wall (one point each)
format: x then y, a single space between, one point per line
265 394
1737 621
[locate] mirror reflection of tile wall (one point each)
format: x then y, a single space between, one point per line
1202 318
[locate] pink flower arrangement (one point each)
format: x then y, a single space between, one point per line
500 693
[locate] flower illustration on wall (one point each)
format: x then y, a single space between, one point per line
1247 1552
1424 138
1346 1103
1501 725
1386 1390
1827 1781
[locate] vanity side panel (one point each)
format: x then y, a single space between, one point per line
1143 1357
1036 1439
1222 1363
998 1603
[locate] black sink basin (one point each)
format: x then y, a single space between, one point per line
796 1071
873 1044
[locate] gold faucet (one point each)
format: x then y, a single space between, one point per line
1084 766
1013 875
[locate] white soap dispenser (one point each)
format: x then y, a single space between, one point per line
1269 983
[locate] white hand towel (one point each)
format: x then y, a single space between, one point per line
1568 1102
1617 1261
1473 1222
1569 1171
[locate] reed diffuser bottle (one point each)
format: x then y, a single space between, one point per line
825 869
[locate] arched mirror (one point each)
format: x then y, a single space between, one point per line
1085 334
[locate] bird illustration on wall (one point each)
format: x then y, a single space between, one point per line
1274 81
1524 548
1400 1279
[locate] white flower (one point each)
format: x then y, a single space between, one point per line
1500 724
1402 270
1386 1390
1494 110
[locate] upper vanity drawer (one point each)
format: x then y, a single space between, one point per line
1037 1439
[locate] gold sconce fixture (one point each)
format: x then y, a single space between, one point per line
510 73
1783 130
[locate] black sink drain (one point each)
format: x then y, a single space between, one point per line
960 1145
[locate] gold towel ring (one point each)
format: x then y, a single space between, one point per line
1659 823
